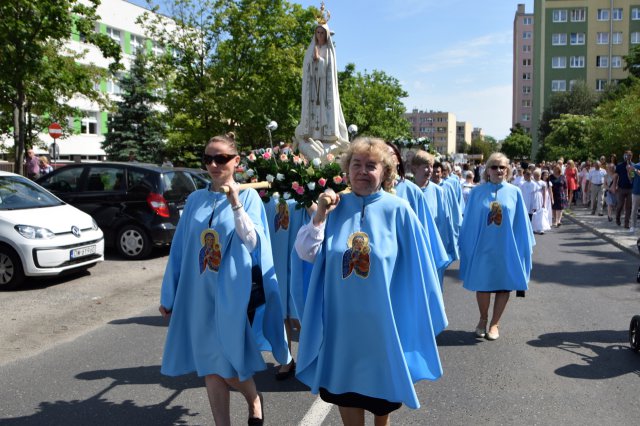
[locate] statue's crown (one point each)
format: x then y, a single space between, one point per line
324 15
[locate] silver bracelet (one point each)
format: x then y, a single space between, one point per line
238 207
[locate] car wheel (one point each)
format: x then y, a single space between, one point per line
133 242
11 274
634 330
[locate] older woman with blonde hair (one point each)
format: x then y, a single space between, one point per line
496 244
374 300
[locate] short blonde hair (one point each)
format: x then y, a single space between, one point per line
495 158
377 149
422 158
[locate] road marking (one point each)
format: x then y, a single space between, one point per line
316 414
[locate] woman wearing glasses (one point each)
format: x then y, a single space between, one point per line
496 244
207 288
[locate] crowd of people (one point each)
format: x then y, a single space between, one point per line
360 276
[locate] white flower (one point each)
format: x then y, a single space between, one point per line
250 172
316 162
276 195
287 195
269 178
311 186
280 176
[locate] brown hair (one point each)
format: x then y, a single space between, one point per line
228 139
422 158
377 148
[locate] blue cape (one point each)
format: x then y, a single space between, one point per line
209 331
373 331
496 244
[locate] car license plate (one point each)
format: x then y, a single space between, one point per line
82 252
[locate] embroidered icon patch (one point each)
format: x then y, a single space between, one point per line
281 219
356 257
210 255
495 214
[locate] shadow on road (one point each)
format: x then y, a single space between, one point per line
153 321
600 352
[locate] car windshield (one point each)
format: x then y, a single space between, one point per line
18 193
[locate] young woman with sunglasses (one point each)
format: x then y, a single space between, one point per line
496 243
207 288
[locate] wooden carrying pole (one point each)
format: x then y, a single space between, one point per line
254 185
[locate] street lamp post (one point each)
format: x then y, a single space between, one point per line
271 127
353 131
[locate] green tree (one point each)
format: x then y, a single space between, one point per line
235 65
517 146
38 74
570 137
372 101
482 146
615 123
580 100
135 125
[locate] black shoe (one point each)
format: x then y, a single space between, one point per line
284 375
254 421
610 218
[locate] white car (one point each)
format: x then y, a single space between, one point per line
41 235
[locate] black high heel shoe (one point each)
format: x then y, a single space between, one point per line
254 421
284 375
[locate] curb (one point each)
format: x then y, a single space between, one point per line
602 235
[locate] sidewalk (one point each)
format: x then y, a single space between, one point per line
609 231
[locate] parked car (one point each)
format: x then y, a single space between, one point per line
41 235
136 205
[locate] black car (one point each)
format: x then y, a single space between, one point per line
136 205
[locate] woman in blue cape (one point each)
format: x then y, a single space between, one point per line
214 330
374 305
496 243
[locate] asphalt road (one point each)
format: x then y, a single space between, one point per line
562 358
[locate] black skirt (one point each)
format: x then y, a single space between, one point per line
379 407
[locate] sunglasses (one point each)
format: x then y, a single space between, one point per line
220 159
498 167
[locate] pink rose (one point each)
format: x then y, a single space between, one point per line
295 185
297 159
283 157
262 193
322 182
337 180
330 158
300 190
266 155
254 179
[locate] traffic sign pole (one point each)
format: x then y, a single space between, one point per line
55 131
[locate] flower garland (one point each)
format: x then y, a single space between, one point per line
413 143
291 175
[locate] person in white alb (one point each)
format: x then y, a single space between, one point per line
596 180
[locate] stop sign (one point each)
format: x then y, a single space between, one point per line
55 130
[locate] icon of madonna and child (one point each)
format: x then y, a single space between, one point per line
210 254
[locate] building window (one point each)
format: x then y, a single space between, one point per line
602 38
137 44
579 15
157 49
114 34
559 15
526 89
113 87
559 62
558 85
525 117
571 84
526 76
600 85
526 103
635 37
527 20
616 37
616 14
577 39
89 123
526 62
603 14
576 62
602 61
616 62
559 39
526 48
527 35
635 13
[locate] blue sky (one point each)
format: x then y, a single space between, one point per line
449 55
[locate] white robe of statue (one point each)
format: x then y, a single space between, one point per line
322 129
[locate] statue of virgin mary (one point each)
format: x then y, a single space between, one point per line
322 129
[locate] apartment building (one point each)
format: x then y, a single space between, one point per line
580 40
438 126
523 77
463 135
